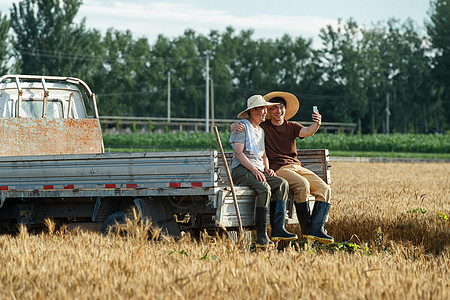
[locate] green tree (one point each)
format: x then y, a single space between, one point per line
282 64
224 52
359 67
231 61
244 66
376 79
4 48
408 70
344 69
188 66
121 87
161 64
295 57
439 31
47 41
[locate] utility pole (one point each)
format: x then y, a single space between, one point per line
388 113
207 94
212 103
168 97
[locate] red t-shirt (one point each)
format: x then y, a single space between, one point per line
280 143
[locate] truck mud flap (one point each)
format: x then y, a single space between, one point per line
159 213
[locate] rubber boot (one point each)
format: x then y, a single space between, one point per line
303 216
277 213
318 216
262 240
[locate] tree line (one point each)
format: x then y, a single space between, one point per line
393 73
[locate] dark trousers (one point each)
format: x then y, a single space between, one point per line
274 187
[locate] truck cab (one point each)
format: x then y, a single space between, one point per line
47 115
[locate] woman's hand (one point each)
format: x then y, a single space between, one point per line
259 175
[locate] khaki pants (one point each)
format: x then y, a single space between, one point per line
303 182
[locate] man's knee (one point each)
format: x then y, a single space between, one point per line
302 186
301 191
327 195
263 194
280 190
263 188
322 193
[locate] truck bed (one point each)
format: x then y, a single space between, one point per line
198 176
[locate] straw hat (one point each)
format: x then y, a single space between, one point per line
252 102
292 103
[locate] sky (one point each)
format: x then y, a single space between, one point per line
268 19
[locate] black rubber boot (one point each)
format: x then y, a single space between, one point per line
303 216
316 230
277 214
261 218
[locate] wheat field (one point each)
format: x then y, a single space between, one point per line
390 221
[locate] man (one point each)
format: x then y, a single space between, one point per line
280 135
250 167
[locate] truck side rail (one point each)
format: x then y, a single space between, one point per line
109 174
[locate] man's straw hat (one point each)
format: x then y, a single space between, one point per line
252 102
292 103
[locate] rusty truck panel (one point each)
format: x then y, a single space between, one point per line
43 136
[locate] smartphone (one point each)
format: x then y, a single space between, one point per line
315 109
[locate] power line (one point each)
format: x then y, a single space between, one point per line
148 92
61 54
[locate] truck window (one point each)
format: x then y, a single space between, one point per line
33 108
6 110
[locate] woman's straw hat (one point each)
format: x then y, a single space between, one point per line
252 102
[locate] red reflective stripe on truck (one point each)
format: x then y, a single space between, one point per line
174 184
3 188
69 187
131 185
196 184
48 187
110 186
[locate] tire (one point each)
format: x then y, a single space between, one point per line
113 222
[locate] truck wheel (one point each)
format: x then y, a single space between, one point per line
113 222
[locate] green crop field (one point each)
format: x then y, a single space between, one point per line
427 146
